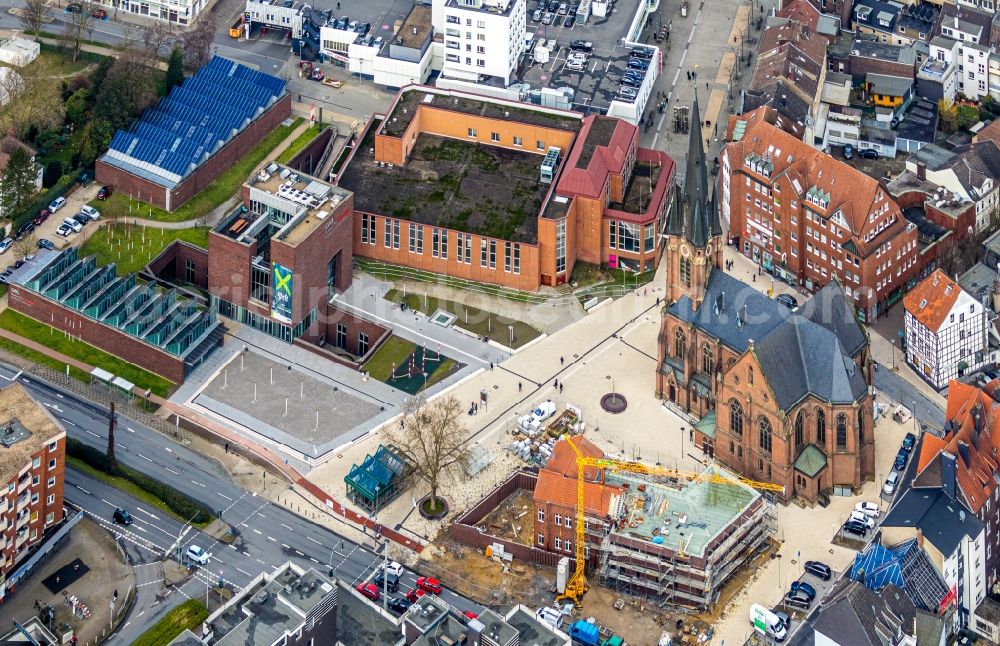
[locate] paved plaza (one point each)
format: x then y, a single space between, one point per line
285 404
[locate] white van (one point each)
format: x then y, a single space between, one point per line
765 621
550 616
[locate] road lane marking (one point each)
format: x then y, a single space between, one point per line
286 527
140 528
244 571
143 457
314 540
169 450
313 560
82 489
261 562
257 531
272 539
91 432
225 496
151 515
286 546
121 445
176 473
198 483
110 503
299 553
130 429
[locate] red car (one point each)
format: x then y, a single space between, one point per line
41 217
414 594
470 615
370 590
429 584
104 192
100 14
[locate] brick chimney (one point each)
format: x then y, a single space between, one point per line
920 538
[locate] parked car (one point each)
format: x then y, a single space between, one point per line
868 508
818 569
909 441
563 9
576 66
548 18
341 23
198 555
5 276
73 224
364 28
797 601
122 517
572 11
569 22
24 229
864 519
74 7
856 528
801 587
414 594
82 219
642 52
397 604
6 244
848 151
383 581
99 14
394 568
64 230
787 300
783 617
637 64
90 212
868 153
353 25
57 204
105 192
582 46
44 243
901 457
369 590
536 16
627 92
42 216
889 486
429 584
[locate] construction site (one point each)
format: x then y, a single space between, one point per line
672 539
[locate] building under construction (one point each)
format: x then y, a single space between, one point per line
672 541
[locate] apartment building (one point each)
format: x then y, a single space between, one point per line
807 218
481 37
965 175
178 12
32 460
947 330
528 190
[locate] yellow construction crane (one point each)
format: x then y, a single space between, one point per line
577 584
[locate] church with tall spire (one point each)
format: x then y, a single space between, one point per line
774 395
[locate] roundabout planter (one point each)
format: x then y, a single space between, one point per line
614 403
441 512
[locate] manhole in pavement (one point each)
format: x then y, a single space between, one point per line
614 403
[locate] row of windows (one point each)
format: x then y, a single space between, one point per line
558 518
736 416
439 243
473 133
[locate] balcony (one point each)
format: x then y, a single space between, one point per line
22 502
22 521
23 484
4 505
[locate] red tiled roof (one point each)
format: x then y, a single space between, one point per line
802 11
588 179
932 299
558 490
929 449
563 459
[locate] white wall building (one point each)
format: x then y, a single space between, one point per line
946 330
274 14
180 12
481 37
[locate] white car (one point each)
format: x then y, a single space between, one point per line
863 518
57 204
392 567
73 224
5 245
197 555
868 509
90 212
64 230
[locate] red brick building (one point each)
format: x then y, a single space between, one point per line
32 461
774 396
807 218
504 192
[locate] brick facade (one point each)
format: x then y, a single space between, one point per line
326 330
172 198
180 262
97 334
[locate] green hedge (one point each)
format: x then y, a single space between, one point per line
177 502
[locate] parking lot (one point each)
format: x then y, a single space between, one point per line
597 83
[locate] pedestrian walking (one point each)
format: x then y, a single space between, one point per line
227 447
519 386
555 383
562 361
491 366
561 387
657 300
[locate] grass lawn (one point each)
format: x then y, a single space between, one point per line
394 351
132 247
41 359
189 615
223 188
58 341
618 284
128 487
387 272
479 322
300 143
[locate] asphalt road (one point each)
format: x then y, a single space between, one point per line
893 386
269 534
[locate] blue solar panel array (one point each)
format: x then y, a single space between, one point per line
199 116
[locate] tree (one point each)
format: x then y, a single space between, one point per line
53 171
35 102
431 439
78 107
154 36
175 70
95 139
18 183
77 28
112 422
127 89
948 116
33 16
25 247
196 42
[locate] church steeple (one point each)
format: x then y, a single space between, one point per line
701 216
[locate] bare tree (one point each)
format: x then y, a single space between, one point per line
112 423
25 247
431 439
155 35
196 42
33 16
33 101
78 27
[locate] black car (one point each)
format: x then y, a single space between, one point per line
572 11
569 22
24 230
104 192
364 28
581 46
400 605
74 7
818 569
794 600
868 153
122 517
900 462
631 81
856 528
801 587
637 64
392 583
45 244
642 52
909 442
82 219
787 300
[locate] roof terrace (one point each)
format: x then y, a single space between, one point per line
466 186
640 189
409 100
